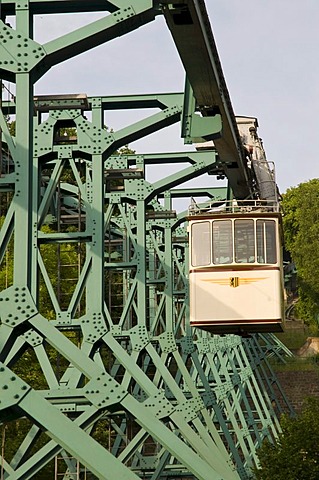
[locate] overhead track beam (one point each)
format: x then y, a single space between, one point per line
190 27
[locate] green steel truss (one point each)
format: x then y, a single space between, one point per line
97 299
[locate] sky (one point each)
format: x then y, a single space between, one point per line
269 58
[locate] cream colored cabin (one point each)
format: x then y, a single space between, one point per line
235 274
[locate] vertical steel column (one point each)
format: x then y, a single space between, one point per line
25 198
95 289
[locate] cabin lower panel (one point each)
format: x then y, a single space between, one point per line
236 301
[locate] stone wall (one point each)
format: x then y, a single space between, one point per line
299 385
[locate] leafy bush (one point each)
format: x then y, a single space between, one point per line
295 454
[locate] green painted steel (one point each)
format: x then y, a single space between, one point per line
97 299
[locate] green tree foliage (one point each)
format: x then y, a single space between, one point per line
301 229
6 266
12 127
295 454
62 262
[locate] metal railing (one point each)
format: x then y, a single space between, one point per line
233 207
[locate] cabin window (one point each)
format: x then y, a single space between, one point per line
201 244
244 241
222 242
266 241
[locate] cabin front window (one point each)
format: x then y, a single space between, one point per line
201 244
244 241
266 241
222 242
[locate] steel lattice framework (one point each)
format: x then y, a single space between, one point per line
122 386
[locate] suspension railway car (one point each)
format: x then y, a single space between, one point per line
235 276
